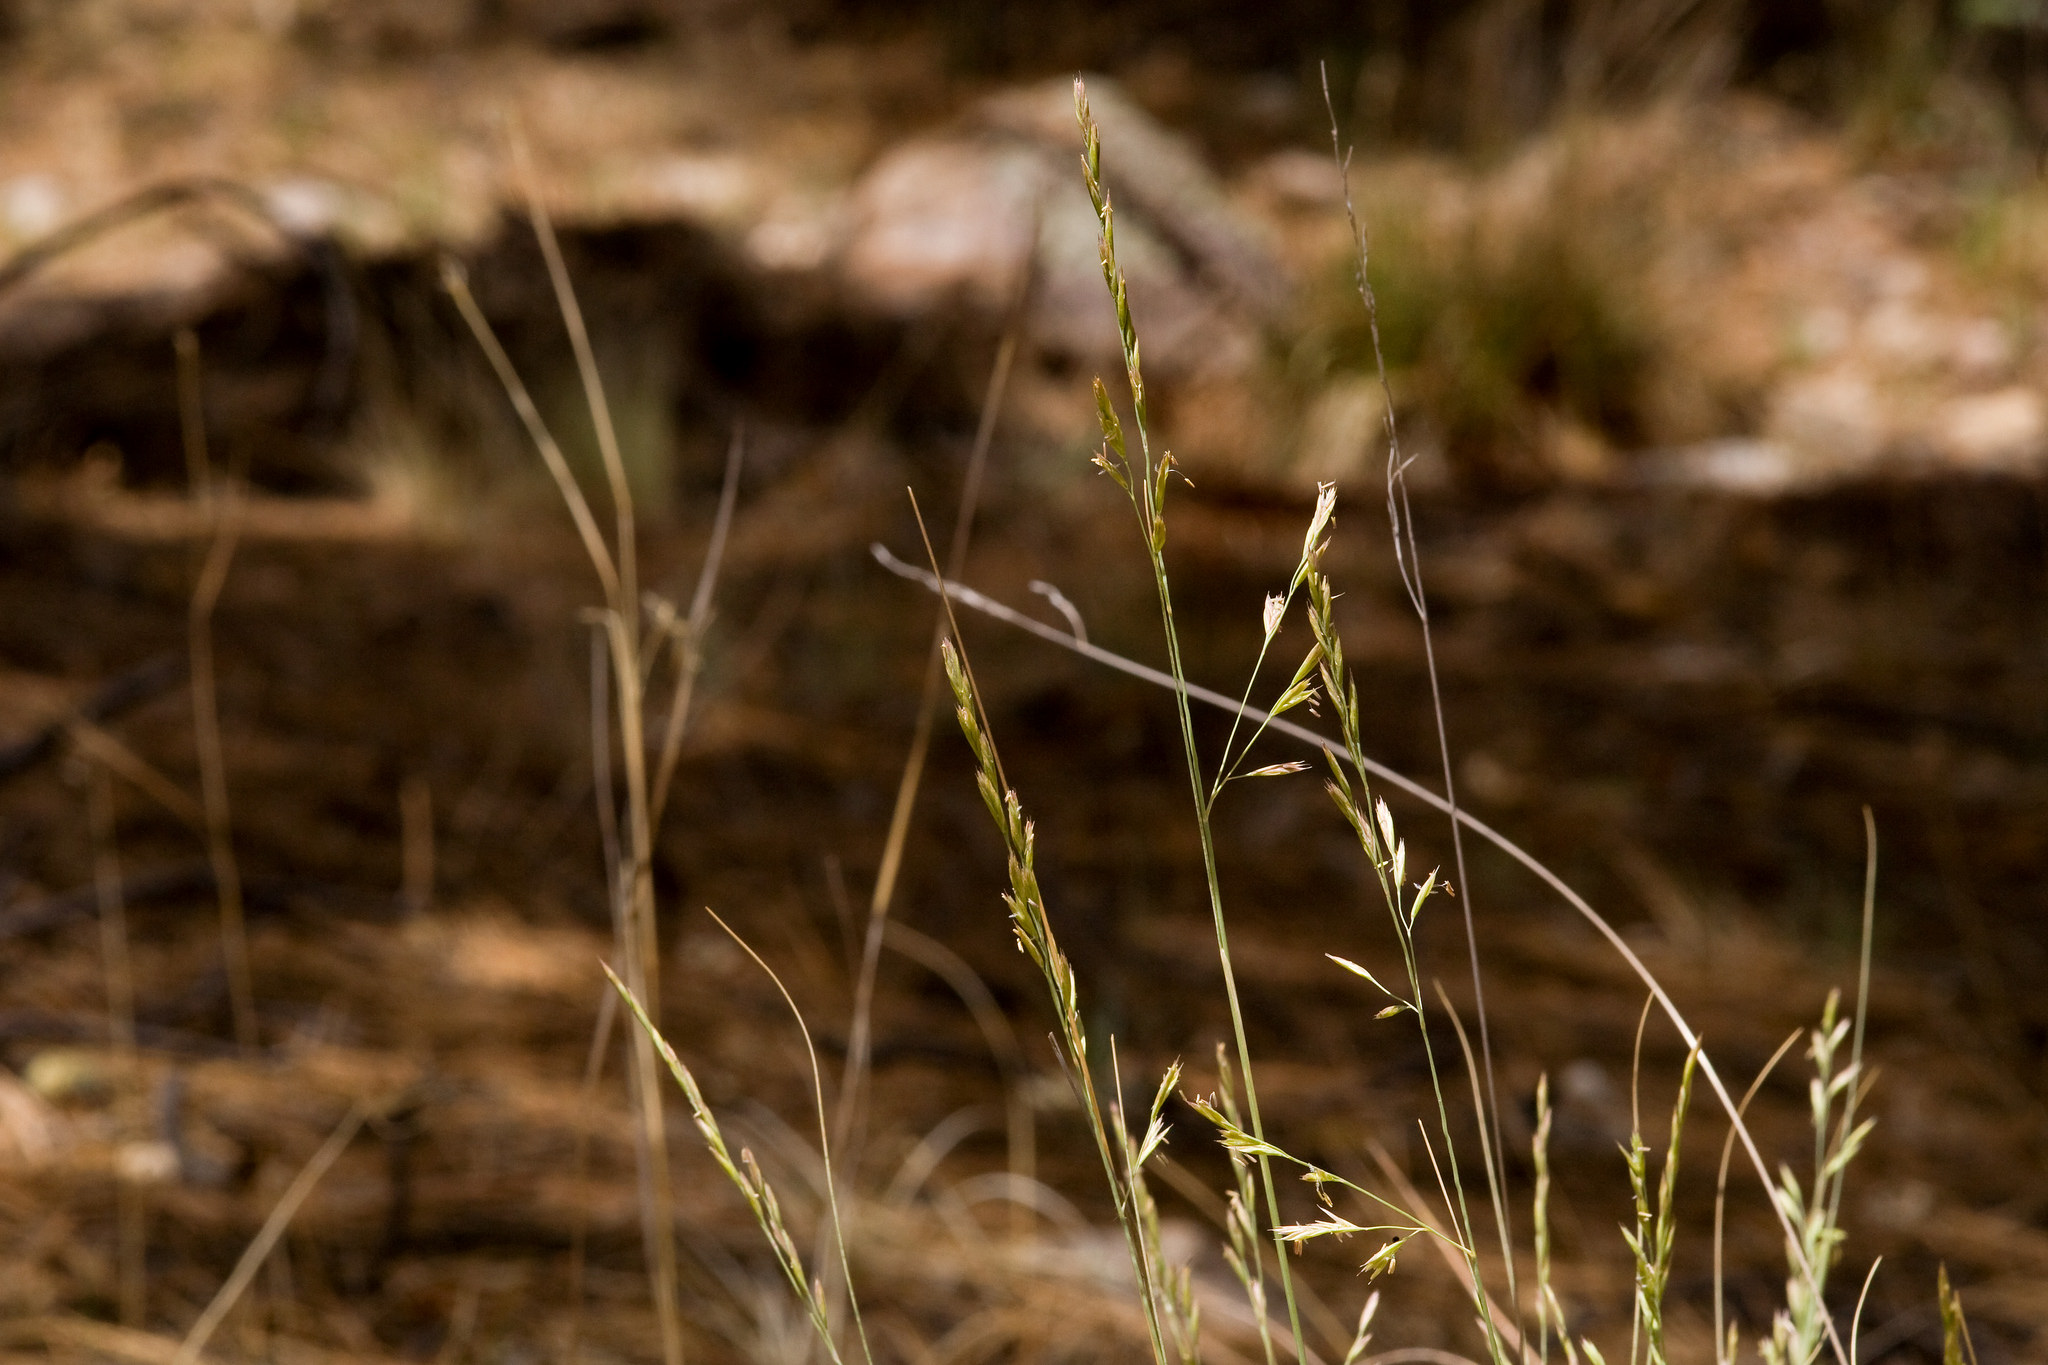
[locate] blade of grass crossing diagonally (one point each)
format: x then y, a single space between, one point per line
853 1089
267 1237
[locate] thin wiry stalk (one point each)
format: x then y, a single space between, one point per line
633 886
1447 1246
1407 559
223 508
593 392
824 1126
1145 481
859 1043
1535 866
689 632
456 281
1862 989
1862 1298
266 1239
745 1174
1724 1346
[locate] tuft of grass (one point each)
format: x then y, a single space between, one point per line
1808 1210
1499 323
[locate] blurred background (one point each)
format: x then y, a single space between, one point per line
1716 331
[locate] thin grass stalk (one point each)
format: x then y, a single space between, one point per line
634 894
456 281
1796 1333
824 1132
745 1174
601 780
223 509
1539 1152
1724 1348
1655 1236
1529 862
1636 1155
934 677
132 1213
643 964
1862 1010
1373 825
655 1225
690 638
1956 1346
852 1092
267 1237
624 530
1862 1298
1408 562
1455 1254
1145 483
1243 1254
1178 1309
579 1227
1472 1074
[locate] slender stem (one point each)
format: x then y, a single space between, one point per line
880 901
1407 558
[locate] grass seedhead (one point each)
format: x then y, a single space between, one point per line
1956 1346
745 1174
1655 1235
1033 927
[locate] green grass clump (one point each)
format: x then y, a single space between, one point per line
1497 326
